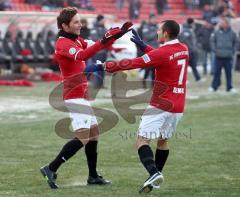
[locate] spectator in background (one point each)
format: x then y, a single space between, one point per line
204 34
237 60
149 31
85 34
225 9
85 31
2 5
134 9
188 37
238 43
149 36
191 4
52 4
119 4
140 33
160 5
87 4
96 33
57 3
5 5
33 1
223 42
202 3
209 14
74 3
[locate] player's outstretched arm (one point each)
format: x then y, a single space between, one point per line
148 60
70 51
108 39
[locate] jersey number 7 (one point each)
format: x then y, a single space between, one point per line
181 62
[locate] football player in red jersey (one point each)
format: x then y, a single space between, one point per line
71 52
166 107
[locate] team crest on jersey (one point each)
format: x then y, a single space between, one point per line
146 58
72 51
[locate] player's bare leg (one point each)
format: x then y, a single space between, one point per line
94 133
91 153
146 156
141 141
82 135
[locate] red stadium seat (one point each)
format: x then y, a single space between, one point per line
177 9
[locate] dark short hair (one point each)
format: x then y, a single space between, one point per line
100 17
190 21
66 15
171 27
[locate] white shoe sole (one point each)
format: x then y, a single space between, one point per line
155 180
153 183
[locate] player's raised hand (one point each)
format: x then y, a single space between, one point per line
137 40
110 35
126 27
114 33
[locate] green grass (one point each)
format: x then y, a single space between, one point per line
204 157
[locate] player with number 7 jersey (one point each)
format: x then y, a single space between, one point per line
160 119
170 62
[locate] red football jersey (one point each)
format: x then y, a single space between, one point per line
71 56
170 62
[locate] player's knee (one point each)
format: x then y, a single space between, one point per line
83 135
141 141
162 144
94 133
84 140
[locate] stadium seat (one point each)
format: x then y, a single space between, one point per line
50 44
9 48
5 59
40 45
176 7
30 45
21 49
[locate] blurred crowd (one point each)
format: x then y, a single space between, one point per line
27 49
211 8
213 47
5 5
212 43
54 4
